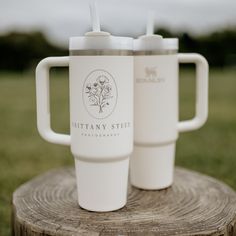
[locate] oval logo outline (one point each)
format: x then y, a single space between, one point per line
99 92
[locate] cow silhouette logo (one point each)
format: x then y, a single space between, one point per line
150 72
100 94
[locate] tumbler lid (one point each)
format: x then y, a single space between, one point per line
102 186
149 41
97 39
101 42
154 42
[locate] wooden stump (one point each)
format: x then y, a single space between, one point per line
194 205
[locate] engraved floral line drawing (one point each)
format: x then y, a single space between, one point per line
99 92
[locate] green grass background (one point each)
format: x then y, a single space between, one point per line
23 154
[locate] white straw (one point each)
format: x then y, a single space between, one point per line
150 23
94 17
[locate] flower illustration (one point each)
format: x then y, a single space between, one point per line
99 92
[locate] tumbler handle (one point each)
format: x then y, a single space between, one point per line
43 100
201 110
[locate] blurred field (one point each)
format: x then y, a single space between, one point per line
23 154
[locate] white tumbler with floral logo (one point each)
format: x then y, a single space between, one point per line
101 115
156 110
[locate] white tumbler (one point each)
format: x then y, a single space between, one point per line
101 115
156 110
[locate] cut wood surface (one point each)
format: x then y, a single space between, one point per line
195 205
